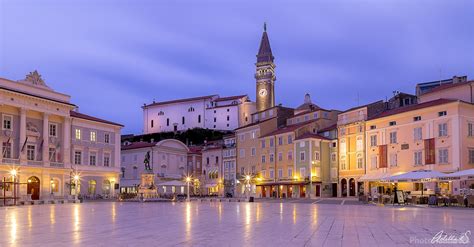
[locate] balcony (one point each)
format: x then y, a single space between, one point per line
57 164
10 161
34 163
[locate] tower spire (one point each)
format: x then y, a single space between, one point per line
265 51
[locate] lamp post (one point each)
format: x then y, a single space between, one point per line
188 181
14 173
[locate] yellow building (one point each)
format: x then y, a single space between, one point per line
351 136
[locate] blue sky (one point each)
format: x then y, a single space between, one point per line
113 56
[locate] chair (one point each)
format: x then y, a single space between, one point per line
460 200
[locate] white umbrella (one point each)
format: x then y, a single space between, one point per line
416 176
458 175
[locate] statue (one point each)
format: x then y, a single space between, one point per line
147 161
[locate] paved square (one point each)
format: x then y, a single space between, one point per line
225 224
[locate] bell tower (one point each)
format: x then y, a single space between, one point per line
265 74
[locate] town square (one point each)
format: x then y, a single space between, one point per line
204 123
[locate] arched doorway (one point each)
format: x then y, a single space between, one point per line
352 191
92 187
33 187
343 187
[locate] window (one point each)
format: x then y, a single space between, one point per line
272 157
470 130
290 155
302 154
343 146
417 118
254 134
92 159
443 156
418 158
302 172
167 122
442 113
7 150
280 173
152 123
215 119
53 130
93 136
161 113
217 159
280 156
359 144
343 162
7 122
106 160
373 140
360 161
78 134
199 118
373 162
372 127
254 151
316 156
123 171
306 118
207 160
333 157
471 156
107 138
442 129
393 160
417 134
280 140
263 158
272 173
77 157
263 143
30 152
182 120
290 139
242 153
393 137
272 142
52 154
392 123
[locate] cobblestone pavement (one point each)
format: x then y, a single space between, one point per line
227 224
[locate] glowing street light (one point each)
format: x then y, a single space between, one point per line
247 180
76 180
188 181
13 173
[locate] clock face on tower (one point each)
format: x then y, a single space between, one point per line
262 92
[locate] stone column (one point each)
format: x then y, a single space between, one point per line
356 187
65 149
22 154
45 140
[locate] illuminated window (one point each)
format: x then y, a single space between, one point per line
78 134
93 136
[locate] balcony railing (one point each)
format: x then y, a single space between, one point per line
34 163
56 164
10 161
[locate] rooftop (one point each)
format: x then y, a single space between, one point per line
413 107
91 118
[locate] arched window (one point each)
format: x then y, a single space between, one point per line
54 185
92 187
161 113
191 109
199 118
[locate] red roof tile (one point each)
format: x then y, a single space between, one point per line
288 128
181 100
413 107
136 145
91 118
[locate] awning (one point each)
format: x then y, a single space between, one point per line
417 176
372 177
465 174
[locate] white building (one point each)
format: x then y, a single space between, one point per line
208 112
45 143
168 160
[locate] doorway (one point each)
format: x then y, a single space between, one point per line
352 187
33 187
302 191
334 190
318 190
343 187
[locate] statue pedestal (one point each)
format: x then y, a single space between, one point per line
147 187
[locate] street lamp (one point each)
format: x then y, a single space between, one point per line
188 181
14 173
